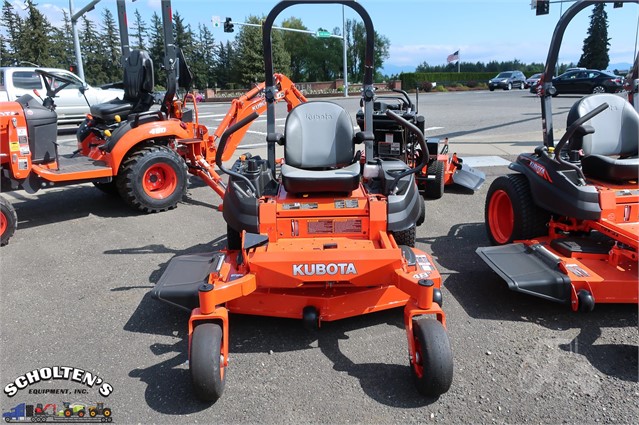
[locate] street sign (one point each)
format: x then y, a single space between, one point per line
217 21
323 34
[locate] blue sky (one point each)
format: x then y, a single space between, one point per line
419 30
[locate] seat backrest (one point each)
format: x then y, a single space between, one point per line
616 128
138 75
318 135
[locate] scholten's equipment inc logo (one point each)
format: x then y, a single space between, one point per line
58 373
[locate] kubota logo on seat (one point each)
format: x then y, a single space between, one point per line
323 269
318 117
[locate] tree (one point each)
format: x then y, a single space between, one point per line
12 22
224 67
156 48
298 46
140 31
597 43
110 49
92 59
356 39
249 57
34 43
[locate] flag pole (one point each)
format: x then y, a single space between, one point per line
458 61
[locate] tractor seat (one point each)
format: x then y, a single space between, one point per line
138 88
616 134
319 150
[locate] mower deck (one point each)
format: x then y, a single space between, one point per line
557 269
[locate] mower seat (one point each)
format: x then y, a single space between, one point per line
319 150
138 88
616 133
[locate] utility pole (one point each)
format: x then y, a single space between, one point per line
345 48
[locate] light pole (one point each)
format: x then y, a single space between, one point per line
345 48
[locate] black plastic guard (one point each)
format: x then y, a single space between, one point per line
183 276
529 269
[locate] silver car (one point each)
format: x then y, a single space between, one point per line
71 105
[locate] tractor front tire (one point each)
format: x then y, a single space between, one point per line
434 189
433 363
510 213
153 179
205 363
106 412
8 221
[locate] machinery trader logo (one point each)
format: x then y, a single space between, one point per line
58 373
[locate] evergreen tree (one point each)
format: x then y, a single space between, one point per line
156 50
597 43
224 67
92 60
12 22
110 50
34 44
249 57
202 62
140 31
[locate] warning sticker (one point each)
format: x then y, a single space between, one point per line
14 146
320 226
576 270
348 226
423 262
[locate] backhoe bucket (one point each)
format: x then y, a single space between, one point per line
468 177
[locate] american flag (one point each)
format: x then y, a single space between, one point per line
454 57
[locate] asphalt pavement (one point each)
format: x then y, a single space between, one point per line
76 276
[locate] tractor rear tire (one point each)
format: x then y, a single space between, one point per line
433 363
434 189
511 213
422 212
405 237
153 179
205 363
8 221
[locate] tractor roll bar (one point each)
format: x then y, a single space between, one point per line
368 91
551 62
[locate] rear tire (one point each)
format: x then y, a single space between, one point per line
8 221
433 363
510 212
598 89
205 364
153 179
434 189
405 237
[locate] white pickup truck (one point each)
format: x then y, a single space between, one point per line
71 105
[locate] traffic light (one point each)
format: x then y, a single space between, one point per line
617 4
228 25
73 68
543 7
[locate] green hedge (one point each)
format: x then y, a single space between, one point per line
412 79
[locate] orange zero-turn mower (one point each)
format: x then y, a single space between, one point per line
566 225
330 237
394 141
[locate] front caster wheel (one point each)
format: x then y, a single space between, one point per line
586 302
433 363
206 362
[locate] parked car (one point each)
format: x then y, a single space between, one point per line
71 105
533 79
507 80
587 81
